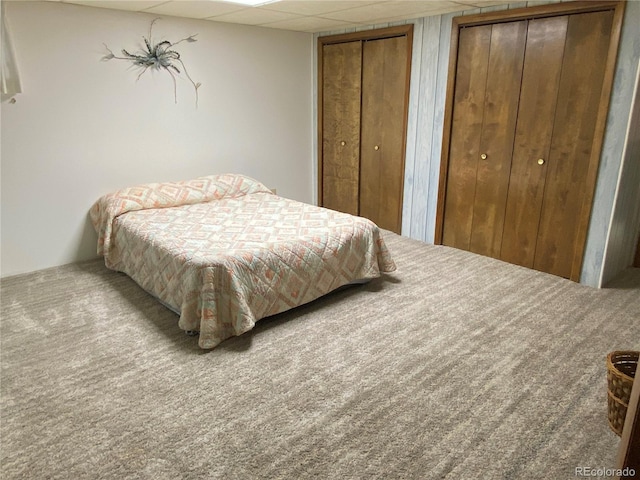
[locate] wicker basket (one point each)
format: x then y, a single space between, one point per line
621 369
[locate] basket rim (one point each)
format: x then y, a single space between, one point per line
611 366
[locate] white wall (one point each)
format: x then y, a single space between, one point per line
83 127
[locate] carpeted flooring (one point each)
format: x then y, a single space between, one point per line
456 366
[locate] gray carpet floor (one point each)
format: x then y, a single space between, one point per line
456 366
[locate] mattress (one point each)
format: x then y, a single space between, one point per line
224 251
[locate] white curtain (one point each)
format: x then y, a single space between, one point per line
10 80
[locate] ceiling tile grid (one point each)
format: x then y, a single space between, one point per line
297 15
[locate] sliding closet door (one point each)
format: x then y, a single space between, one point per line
540 83
588 37
341 77
385 66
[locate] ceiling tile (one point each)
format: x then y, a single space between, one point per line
253 16
300 15
426 13
316 7
485 3
309 24
195 8
118 4
386 10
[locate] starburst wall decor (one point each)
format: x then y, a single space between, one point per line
158 56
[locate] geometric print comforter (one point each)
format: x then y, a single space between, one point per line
224 251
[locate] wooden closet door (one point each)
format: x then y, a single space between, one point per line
384 90
496 141
530 207
341 77
484 120
539 93
588 37
468 112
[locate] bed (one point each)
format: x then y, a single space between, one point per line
223 251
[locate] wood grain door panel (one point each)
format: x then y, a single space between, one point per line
539 92
468 110
588 37
502 96
530 201
341 75
382 130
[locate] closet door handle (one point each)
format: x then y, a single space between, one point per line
541 161
343 143
376 147
483 156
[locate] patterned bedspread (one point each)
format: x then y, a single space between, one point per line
227 252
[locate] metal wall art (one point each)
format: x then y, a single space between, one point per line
158 56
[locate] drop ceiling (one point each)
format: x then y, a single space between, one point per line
298 15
